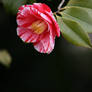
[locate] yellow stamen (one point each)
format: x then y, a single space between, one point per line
38 27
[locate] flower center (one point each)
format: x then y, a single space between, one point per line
38 27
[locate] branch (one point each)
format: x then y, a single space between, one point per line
60 5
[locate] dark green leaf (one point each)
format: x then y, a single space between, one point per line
73 32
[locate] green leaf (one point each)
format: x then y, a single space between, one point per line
81 12
73 32
81 3
5 58
76 22
13 5
83 16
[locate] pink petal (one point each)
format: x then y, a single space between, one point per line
40 15
46 45
25 17
24 10
54 23
41 7
28 14
26 35
42 10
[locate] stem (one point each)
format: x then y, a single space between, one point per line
60 5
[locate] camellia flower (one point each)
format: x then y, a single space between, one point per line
37 25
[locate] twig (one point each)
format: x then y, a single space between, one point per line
60 5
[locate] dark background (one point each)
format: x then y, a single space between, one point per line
67 69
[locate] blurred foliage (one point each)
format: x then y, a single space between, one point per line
5 58
13 5
31 1
76 22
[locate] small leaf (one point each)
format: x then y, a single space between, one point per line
73 32
5 58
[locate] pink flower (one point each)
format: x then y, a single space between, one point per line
37 25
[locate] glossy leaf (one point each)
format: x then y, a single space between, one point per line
76 22
81 12
81 3
73 32
83 16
